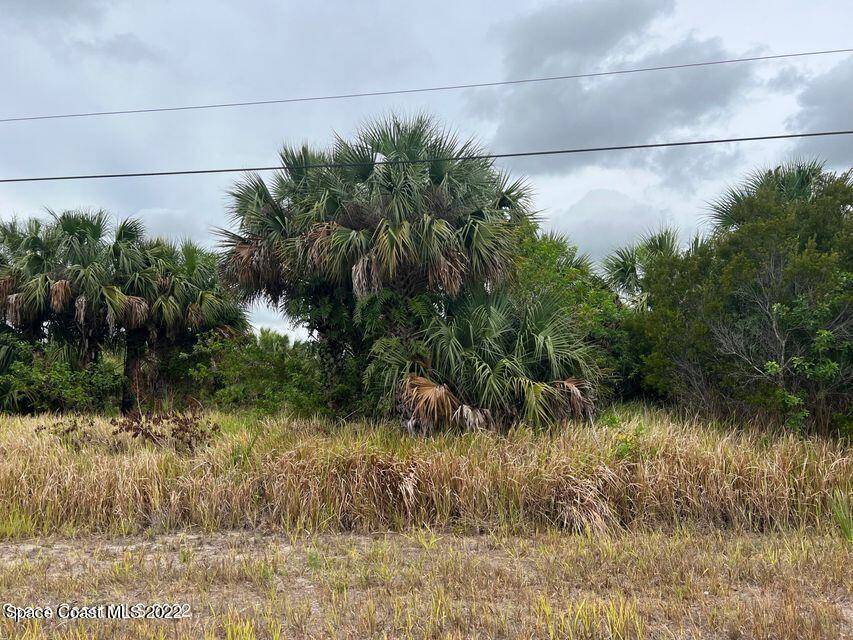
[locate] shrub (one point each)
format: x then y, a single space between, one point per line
549 265
494 360
35 381
266 372
757 317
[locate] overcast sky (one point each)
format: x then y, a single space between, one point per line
81 55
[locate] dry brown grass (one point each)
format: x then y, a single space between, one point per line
635 471
423 584
638 527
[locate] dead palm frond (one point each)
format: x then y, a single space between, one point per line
135 312
430 403
576 398
472 418
80 310
365 279
7 287
60 295
15 309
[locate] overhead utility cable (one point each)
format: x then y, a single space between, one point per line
391 92
483 156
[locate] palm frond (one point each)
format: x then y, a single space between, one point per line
430 403
60 295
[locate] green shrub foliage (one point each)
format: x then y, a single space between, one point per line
377 257
491 360
34 381
433 295
756 318
550 266
266 373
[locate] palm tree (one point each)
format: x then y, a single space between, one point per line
797 180
179 298
625 268
495 360
401 209
58 279
28 253
83 283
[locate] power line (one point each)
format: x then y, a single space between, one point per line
483 156
450 87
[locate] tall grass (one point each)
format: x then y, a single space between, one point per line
641 469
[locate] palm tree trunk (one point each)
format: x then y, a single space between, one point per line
134 349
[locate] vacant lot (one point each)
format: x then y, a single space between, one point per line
641 526
424 584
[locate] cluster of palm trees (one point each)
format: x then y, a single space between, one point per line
80 282
394 230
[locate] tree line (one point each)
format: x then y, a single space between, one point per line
432 295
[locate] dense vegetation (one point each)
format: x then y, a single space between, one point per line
756 317
76 293
431 295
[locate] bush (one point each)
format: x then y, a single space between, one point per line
33 381
757 318
550 266
495 360
265 372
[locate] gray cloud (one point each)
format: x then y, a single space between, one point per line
559 38
121 48
92 55
605 219
35 13
612 110
786 79
825 104
77 30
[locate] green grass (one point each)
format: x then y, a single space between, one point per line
843 514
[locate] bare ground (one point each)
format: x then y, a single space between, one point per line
426 584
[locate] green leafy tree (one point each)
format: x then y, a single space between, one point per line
63 279
757 317
182 299
549 265
265 372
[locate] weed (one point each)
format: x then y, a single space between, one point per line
840 505
185 431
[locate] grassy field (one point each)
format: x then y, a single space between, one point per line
641 526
